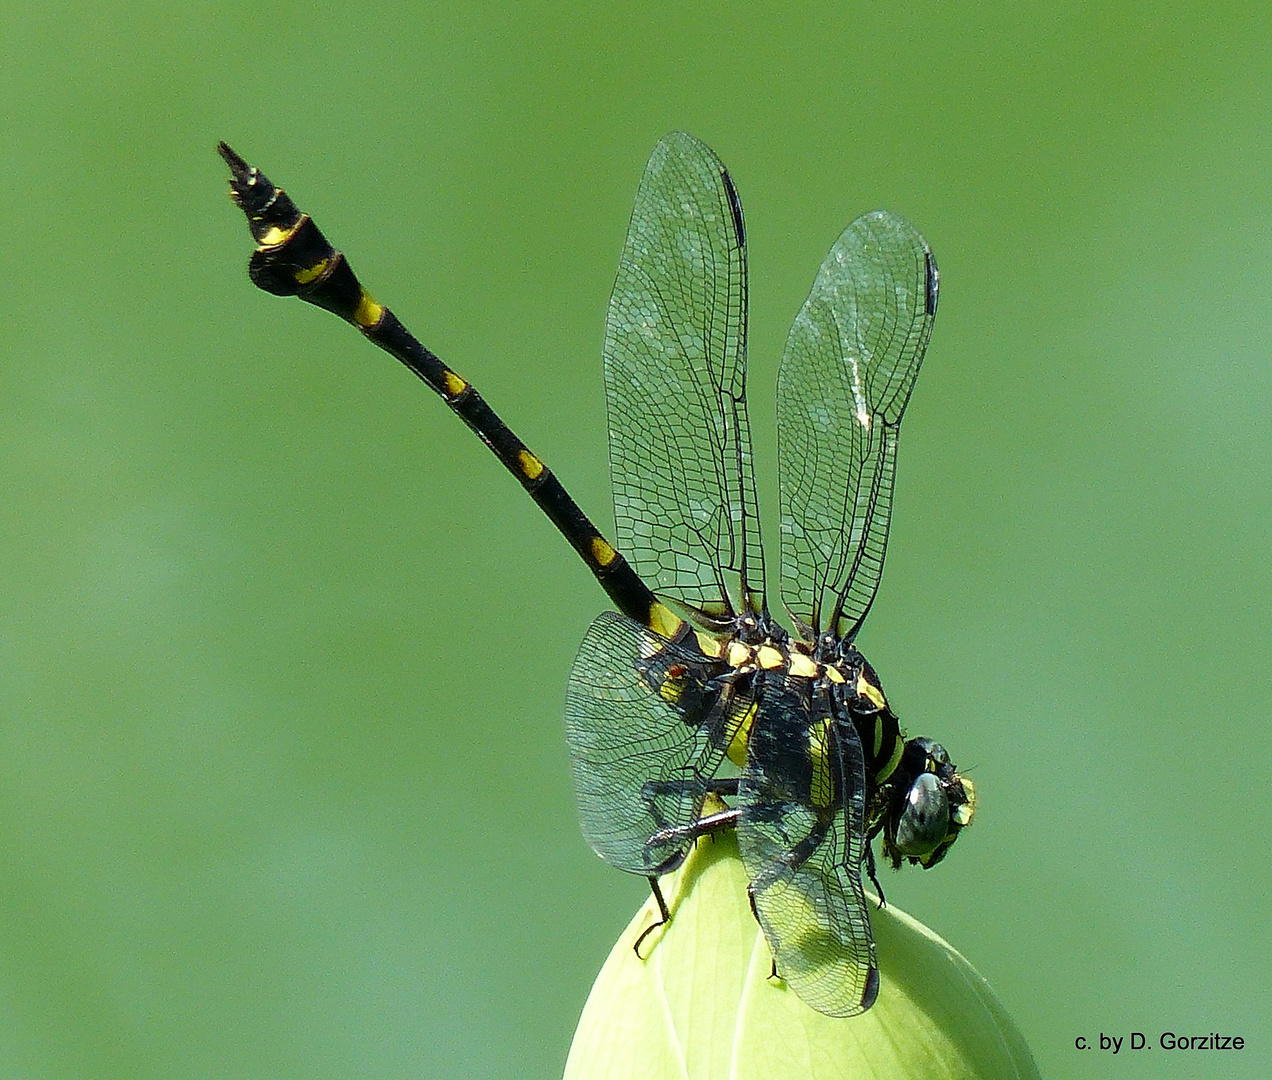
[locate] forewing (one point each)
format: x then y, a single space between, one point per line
646 733
675 382
802 838
850 363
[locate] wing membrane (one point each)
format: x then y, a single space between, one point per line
675 382
802 837
647 728
849 366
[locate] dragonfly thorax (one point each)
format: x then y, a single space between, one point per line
745 653
839 662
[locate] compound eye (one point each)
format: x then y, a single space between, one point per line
925 821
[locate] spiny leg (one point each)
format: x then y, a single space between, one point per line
793 860
704 826
874 879
664 917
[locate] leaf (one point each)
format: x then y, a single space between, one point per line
702 1005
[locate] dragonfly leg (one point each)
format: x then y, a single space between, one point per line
790 862
704 826
725 786
663 919
665 799
794 859
874 879
656 794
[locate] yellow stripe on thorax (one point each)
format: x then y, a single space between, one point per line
898 748
736 752
821 787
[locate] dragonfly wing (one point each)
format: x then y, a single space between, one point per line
802 837
675 382
849 366
648 727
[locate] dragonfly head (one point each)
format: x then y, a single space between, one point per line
931 804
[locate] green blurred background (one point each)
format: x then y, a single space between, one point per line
283 785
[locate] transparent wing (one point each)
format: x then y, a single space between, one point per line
850 363
802 837
647 728
675 381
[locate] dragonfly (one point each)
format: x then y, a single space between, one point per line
691 709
